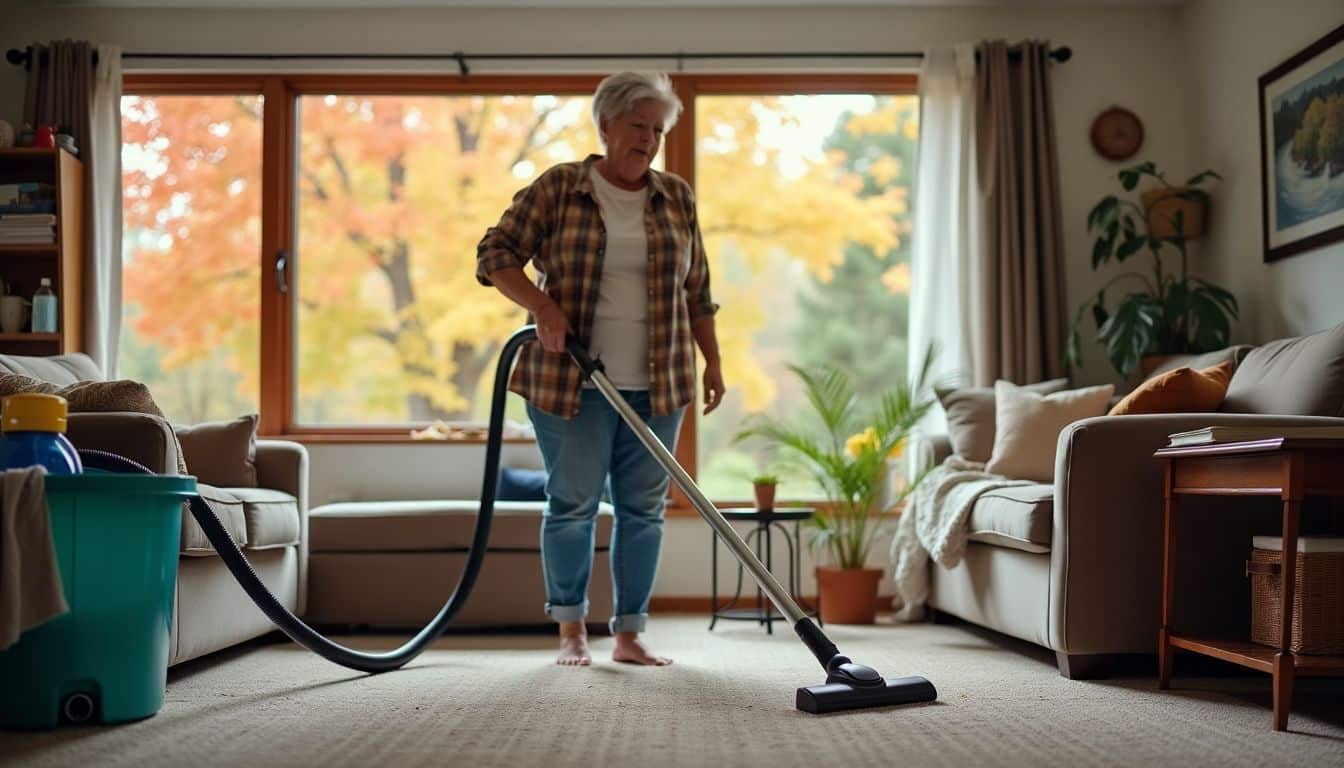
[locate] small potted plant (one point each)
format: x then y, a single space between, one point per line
764 487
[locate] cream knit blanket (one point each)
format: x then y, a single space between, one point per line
934 525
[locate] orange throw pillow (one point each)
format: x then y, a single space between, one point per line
1183 390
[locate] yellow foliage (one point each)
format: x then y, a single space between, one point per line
394 192
897 279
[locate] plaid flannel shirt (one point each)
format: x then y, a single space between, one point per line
555 223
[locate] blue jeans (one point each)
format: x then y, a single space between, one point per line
580 454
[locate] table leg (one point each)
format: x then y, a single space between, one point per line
1164 649
1284 673
1284 663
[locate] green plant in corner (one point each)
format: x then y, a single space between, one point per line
847 452
1161 313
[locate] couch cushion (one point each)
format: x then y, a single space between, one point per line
518 484
429 526
227 507
1206 360
970 416
1029 423
57 369
1017 517
272 517
222 453
1302 377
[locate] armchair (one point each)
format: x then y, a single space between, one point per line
270 521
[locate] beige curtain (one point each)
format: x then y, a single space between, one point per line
65 88
1022 265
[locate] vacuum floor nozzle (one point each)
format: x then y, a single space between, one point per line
833 697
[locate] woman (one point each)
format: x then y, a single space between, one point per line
620 264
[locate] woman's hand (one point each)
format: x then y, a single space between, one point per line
552 326
713 386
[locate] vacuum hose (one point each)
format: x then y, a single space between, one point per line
290 624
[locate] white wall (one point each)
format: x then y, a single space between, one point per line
1231 43
1128 56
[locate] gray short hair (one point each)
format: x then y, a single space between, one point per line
617 94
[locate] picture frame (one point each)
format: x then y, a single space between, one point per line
1301 175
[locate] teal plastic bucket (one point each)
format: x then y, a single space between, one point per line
117 538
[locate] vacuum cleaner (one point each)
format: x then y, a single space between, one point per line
848 685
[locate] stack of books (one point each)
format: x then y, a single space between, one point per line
27 197
1230 434
27 228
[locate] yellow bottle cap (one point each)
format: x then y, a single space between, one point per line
33 412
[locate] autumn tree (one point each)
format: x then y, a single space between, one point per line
191 218
393 195
859 319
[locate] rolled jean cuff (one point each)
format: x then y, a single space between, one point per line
567 612
629 622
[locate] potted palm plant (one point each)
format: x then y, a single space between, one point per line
1160 313
848 451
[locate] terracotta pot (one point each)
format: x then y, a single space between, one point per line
765 496
1162 203
848 595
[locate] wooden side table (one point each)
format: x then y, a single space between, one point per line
1284 467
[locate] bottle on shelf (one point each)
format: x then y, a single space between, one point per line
44 308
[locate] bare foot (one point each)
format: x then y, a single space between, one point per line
631 650
574 645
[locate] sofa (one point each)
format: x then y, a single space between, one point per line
268 520
392 563
1075 565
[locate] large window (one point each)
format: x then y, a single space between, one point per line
191 187
804 204
394 194
305 246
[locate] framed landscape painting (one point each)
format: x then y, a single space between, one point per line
1302 149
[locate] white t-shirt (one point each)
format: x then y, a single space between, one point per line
620 322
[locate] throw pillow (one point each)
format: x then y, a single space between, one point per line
1183 390
521 484
970 417
1029 424
222 453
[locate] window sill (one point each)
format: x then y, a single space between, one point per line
377 438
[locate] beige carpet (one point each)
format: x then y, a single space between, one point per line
479 700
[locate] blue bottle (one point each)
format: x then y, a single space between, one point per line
32 431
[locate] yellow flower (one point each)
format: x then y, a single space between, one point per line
860 441
867 440
896 450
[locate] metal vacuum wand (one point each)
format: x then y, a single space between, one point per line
848 685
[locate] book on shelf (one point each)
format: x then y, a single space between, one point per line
1240 434
27 220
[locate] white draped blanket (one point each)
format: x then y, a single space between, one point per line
934 525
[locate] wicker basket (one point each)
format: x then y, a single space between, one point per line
1318 596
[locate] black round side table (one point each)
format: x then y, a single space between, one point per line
760 540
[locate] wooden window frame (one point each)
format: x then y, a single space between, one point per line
279 161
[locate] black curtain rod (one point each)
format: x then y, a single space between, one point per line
25 56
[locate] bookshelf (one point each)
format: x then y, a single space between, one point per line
22 266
